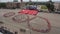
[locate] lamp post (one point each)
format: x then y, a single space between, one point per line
21 3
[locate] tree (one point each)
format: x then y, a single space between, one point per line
50 6
2 5
15 0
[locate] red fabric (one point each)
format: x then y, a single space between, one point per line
30 12
24 11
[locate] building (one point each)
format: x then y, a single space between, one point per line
57 5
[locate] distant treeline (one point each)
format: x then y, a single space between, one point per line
2 5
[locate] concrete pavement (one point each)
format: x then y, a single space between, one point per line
14 26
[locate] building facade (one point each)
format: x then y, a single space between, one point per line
57 5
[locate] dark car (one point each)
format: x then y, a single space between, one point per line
5 31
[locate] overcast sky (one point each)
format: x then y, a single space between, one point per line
26 0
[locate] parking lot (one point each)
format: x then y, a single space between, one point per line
14 26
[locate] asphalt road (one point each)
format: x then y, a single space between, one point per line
14 26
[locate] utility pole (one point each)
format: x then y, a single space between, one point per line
21 3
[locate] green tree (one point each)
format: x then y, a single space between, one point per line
50 6
2 5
